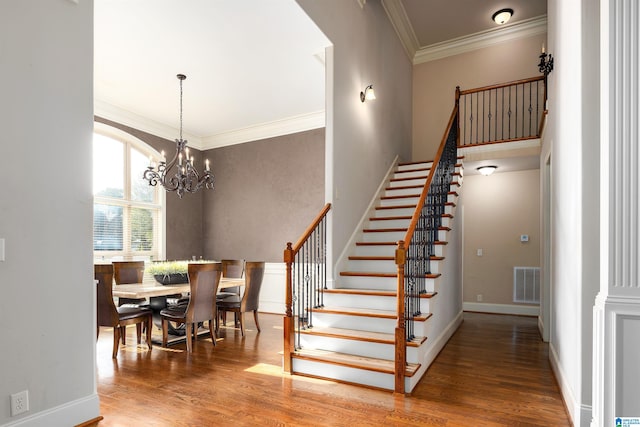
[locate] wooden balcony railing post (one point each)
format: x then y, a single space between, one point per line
288 318
400 336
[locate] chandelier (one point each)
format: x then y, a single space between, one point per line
179 174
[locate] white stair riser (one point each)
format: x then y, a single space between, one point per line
385 213
402 191
405 183
413 174
375 283
414 166
388 223
387 250
343 373
360 323
413 201
360 301
364 282
383 236
372 266
348 346
382 266
372 324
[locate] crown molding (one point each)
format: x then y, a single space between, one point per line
136 121
482 39
400 21
281 127
286 126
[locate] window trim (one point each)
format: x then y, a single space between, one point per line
131 141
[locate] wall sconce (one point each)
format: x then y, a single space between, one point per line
368 94
487 170
502 16
546 63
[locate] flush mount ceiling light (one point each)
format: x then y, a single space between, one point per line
487 170
368 94
502 16
180 174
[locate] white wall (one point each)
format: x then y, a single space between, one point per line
362 138
570 139
47 309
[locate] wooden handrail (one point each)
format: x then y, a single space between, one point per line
401 256
425 189
310 228
289 258
500 85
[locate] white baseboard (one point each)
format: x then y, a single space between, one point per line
68 414
519 310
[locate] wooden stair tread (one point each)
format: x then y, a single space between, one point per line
372 292
358 335
374 274
385 258
437 242
395 230
390 218
353 361
403 196
366 312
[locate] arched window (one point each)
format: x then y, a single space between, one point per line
128 213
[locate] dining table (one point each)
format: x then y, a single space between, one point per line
157 294
155 289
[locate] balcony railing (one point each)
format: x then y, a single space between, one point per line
502 113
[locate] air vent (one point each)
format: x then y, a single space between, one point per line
526 285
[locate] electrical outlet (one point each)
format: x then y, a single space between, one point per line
19 403
479 297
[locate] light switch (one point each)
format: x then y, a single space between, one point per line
1 249
479 252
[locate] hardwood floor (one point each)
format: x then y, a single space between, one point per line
493 372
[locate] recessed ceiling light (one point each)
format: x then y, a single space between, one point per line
502 16
487 170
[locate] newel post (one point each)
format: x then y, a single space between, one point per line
288 318
400 340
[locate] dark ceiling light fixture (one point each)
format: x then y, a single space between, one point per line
487 170
179 174
502 16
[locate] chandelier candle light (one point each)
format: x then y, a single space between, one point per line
179 174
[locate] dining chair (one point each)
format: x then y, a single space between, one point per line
232 268
127 272
254 272
203 282
118 317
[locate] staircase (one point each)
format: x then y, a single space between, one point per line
352 335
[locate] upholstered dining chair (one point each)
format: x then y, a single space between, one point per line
118 317
203 280
232 268
126 272
254 272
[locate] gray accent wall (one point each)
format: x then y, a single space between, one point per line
267 192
